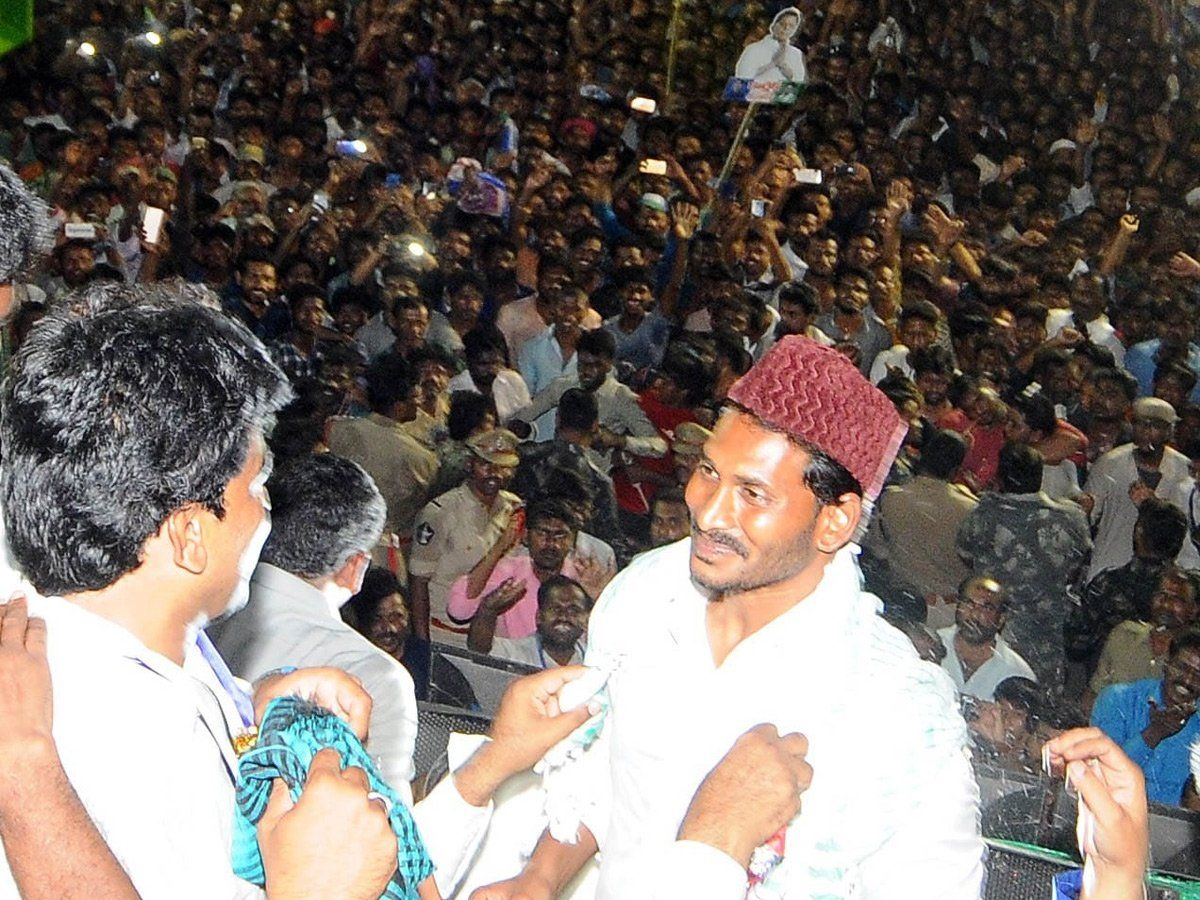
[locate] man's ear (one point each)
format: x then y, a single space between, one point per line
352 572
837 523
185 530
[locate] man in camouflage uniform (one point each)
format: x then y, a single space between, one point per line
1035 547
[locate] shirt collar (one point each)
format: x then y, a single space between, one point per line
832 607
300 592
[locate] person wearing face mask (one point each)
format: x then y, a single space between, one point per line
327 515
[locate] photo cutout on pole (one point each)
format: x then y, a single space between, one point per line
771 69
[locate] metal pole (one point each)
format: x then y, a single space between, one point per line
673 40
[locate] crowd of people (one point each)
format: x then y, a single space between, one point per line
512 258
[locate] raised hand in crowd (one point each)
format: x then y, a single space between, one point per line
1112 792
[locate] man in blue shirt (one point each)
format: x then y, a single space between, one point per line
1174 343
640 331
1154 721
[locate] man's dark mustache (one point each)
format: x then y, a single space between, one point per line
720 537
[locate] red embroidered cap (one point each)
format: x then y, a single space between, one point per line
818 396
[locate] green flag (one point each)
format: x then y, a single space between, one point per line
16 24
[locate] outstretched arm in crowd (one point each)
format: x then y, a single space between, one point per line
1114 254
685 220
477 578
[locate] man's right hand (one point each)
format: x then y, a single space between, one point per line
1165 722
333 842
526 726
751 793
514 531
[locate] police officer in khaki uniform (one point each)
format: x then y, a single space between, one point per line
455 531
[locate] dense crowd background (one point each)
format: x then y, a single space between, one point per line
442 219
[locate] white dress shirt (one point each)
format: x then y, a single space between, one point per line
508 391
1099 331
893 807
288 622
528 651
1004 663
147 747
1114 514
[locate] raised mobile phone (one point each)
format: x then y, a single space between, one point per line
84 231
152 222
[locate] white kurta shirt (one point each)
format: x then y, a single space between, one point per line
1004 663
508 391
1114 514
893 807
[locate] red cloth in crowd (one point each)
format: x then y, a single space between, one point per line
636 496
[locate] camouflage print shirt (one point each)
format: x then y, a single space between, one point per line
1035 547
1031 544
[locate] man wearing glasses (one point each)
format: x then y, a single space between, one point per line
977 657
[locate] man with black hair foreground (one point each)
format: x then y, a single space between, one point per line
759 618
134 494
326 518
26 236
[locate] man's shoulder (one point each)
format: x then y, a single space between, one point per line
445 504
1067 510
93 661
911 694
1014 660
648 584
1130 631
1116 456
1143 349
1127 692
353 652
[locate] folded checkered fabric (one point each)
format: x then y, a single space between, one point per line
292 732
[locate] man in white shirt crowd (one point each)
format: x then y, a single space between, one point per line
488 373
562 614
326 517
760 617
623 424
977 657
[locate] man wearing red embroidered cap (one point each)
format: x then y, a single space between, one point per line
759 617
